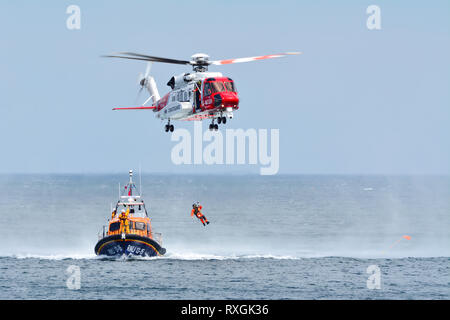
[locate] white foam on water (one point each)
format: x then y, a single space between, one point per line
51 256
197 256
203 256
209 257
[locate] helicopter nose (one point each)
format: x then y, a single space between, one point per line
226 99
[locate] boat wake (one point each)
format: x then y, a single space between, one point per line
169 256
203 256
51 256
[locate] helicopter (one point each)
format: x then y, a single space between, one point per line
195 95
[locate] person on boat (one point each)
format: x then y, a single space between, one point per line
196 210
124 223
197 96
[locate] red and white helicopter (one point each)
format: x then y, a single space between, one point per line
194 96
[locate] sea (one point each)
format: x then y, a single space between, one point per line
270 237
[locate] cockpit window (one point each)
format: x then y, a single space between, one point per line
230 86
207 89
217 86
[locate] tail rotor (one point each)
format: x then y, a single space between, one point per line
143 80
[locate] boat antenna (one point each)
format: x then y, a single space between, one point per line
130 184
140 180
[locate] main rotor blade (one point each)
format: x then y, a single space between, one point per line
137 56
248 59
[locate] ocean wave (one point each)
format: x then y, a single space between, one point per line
203 256
75 256
193 256
169 256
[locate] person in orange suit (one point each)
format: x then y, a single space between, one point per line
124 223
196 210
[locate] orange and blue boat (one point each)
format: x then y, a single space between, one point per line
129 233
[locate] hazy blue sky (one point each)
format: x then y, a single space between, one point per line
356 101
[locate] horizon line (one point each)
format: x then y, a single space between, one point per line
226 173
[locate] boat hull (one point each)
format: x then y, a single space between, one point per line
130 245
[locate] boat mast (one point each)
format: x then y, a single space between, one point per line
130 184
140 180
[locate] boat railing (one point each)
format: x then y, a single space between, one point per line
153 235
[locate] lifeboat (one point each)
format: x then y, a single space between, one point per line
129 231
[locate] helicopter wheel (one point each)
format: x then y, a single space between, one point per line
171 128
216 127
167 128
219 120
224 120
210 126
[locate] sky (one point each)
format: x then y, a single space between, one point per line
357 101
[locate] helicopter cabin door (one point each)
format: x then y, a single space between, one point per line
207 91
197 96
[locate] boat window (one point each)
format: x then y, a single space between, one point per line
114 226
139 225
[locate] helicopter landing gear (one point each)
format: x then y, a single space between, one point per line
222 120
169 127
213 126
